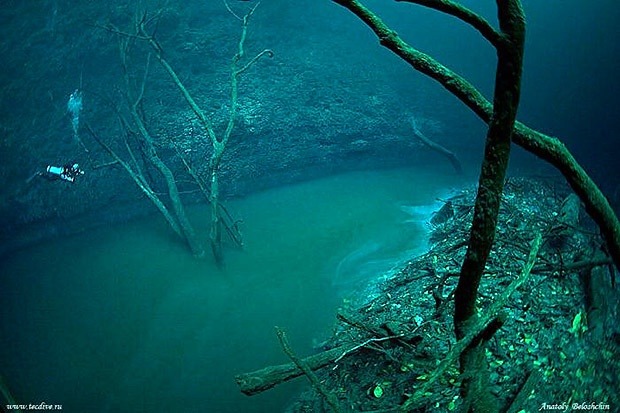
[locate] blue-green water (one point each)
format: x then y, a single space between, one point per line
124 319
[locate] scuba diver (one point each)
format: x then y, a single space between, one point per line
69 172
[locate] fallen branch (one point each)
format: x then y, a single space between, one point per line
382 333
574 266
264 379
454 160
329 397
365 343
529 385
599 301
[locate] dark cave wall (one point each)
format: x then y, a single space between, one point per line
330 100
315 109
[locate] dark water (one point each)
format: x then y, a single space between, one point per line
124 319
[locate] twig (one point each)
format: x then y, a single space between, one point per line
105 165
264 379
267 52
112 29
365 343
230 10
329 397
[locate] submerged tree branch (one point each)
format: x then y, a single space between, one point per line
451 156
475 386
135 100
218 143
495 163
546 147
138 178
457 10
330 398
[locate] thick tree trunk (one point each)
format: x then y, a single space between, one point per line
496 157
215 234
486 209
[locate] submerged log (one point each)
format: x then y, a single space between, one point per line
599 293
264 379
529 385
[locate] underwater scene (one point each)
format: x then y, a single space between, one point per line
336 206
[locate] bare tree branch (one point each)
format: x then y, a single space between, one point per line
461 12
546 147
329 397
